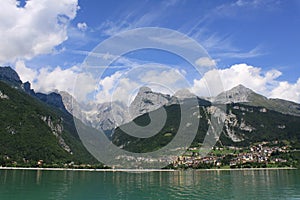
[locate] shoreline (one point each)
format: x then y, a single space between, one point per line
88 170
250 169
141 170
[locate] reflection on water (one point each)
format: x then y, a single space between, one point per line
248 184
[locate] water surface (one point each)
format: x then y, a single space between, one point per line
56 185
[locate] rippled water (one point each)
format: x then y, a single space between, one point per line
250 184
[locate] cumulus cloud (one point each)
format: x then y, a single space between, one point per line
163 77
106 87
120 85
45 80
82 26
249 76
287 91
255 78
123 85
209 85
205 62
25 73
125 90
34 29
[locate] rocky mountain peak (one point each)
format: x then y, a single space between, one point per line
10 76
27 88
241 89
184 94
53 99
146 100
237 94
144 89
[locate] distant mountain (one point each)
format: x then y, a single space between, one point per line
244 125
109 115
241 94
53 98
146 101
103 116
10 76
32 128
250 118
283 106
184 94
238 94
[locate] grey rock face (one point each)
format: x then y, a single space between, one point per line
237 94
184 94
57 130
241 94
103 116
73 107
109 115
147 101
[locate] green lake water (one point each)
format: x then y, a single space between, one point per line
73 185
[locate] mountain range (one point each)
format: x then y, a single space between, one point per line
36 126
107 116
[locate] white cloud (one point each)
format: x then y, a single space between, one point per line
82 26
111 28
287 91
125 90
203 86
252 77
106 86
137 18
34 29
205 62
123 85
266 4
76 83
255 52
162 77
25 73
249 76
45 80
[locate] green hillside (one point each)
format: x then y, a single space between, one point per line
265 125
31 130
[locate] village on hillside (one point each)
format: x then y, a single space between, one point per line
260 155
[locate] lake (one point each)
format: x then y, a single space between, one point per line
191 184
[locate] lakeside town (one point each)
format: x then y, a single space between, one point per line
260 155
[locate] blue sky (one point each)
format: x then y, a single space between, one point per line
261 33
256 41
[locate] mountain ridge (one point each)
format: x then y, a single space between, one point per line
107 116
32 129
242 94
